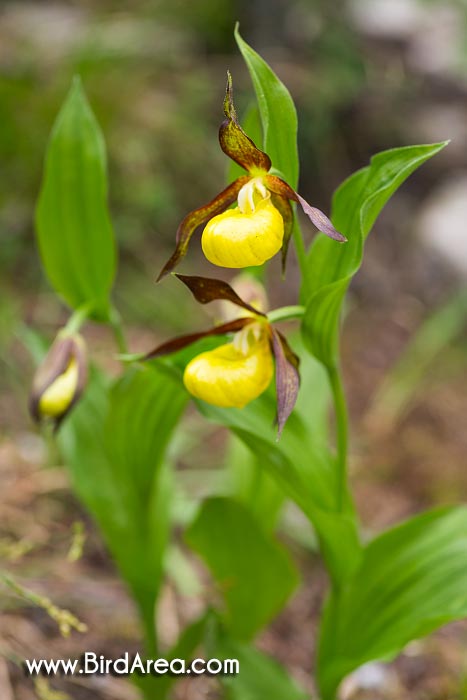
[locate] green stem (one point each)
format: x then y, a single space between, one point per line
342 430
77 319
286 313
116 324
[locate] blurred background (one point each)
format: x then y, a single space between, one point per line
366 75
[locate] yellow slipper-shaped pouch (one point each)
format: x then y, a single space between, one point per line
236 239
57 398
228 377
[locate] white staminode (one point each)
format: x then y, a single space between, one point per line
247 337
249 195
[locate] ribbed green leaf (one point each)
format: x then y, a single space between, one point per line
73 226
301 462
277 111
254 573
253 485
114 444
356 206
411 580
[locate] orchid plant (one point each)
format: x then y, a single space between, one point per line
116 435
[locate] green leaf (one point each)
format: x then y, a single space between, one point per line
278 113
114 443
356 206
74 231
253 485
300 463
260 677
255 574
411 580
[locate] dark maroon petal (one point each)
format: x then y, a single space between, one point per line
233 140
316 216
287 378
283 205
199 216
206 289
184 340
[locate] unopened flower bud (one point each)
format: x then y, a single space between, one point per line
60 379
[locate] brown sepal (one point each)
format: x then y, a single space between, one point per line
316 216
206 289
182 341
199 216
287 378
233 140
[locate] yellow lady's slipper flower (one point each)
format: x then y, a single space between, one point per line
262 222
60 380
235 373
237 239
230 376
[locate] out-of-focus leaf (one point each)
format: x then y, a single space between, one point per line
254 573
253 485
74 231
411 580
114 444
405 378
301 463
356 206
278 114
260 677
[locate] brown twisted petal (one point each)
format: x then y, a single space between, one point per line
64 349
233 140
283 205
184 340
206 289
287 378
199 216
317 217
